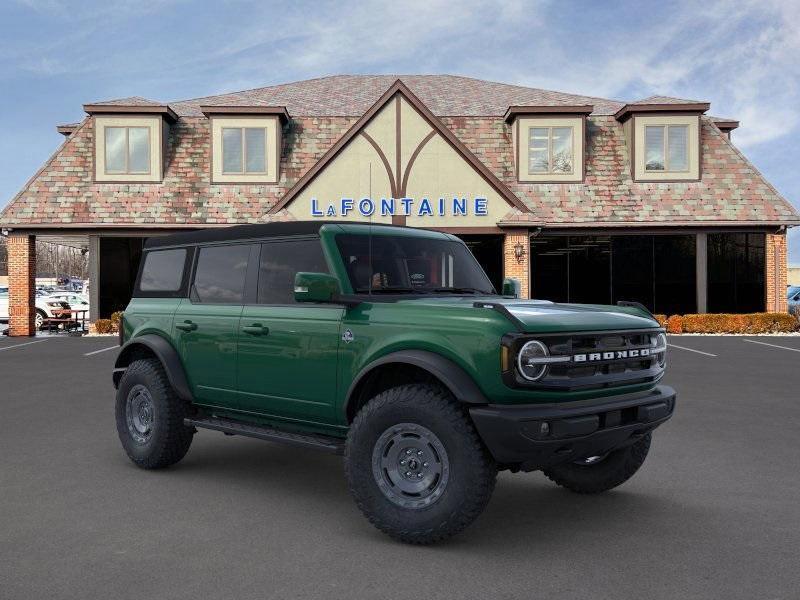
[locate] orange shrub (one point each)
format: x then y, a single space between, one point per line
103 326
752 323
662 319
674 324
116 317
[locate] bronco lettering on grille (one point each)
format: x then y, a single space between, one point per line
615 355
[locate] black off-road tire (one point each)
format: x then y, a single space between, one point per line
609 472
168 439
470 476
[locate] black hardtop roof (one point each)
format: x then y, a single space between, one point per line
247 232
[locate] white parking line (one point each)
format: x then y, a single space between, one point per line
20 345
691 350
101 350
771 345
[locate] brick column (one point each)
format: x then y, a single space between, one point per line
775 273
21 284
511 266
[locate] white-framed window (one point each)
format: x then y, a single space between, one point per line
244 150
127 150
666 148
550 150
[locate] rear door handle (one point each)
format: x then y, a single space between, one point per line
186 326
256 329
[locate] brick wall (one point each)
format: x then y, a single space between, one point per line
776 273
21 284
511 266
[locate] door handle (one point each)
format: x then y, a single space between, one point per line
186 326
256 329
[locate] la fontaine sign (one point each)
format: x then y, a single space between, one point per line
408 207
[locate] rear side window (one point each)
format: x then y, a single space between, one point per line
280 262
163 270
220 274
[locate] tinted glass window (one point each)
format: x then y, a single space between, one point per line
280 262
400 264
736 272
220 274
163 270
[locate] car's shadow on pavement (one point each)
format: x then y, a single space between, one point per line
527 512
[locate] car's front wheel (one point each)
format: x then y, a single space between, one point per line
39 318
416 466
595 474
150 416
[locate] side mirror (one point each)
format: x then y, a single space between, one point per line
315 287
511 287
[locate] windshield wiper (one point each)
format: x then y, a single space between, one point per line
459 290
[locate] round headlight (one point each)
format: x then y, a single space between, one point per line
659 343
529 362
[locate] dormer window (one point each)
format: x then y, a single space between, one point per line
663 138
550 150
548 142
129 140
127 150
244 150
245 143
666 148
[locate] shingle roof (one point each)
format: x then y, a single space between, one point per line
665 100
352 95
130 101
731 190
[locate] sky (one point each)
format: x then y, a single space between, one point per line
741 56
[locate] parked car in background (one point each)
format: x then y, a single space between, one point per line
47 307
793 295
76 301
3 304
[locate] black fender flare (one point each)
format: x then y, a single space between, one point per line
165 353
460 384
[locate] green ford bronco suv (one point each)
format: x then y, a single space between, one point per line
390 346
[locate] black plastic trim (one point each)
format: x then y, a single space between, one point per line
270 434
575 430
462 386
165 353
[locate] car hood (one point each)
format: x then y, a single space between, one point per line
544 317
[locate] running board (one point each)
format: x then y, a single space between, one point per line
270 434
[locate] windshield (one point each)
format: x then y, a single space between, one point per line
411 265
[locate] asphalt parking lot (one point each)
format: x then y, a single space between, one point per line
714 512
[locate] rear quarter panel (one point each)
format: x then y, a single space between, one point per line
150 315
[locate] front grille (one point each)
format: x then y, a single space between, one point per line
603 360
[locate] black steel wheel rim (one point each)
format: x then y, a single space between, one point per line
410 465
139 413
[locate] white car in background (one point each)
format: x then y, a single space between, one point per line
47 307
76 300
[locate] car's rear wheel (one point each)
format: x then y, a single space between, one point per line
150 416
39 318
415 465
595 474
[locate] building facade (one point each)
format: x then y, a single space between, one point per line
581 199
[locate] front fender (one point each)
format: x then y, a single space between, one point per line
458 381
165 353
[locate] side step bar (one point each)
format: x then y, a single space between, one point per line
262 432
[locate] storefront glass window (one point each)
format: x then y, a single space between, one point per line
736 272
658 271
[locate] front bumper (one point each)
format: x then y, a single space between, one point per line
535 437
